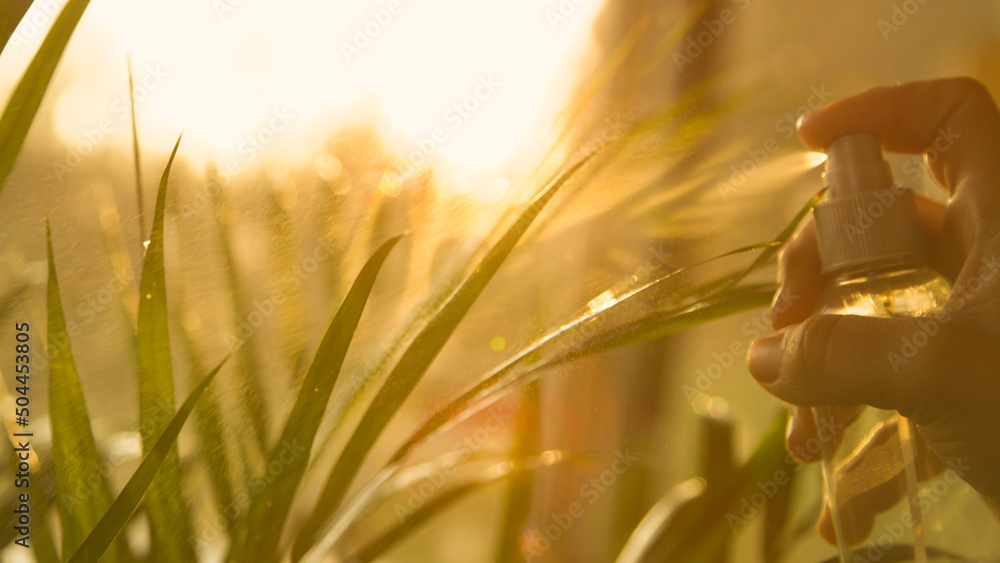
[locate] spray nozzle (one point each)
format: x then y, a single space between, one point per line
854 164
865 218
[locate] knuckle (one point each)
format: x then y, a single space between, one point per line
971 87
809 348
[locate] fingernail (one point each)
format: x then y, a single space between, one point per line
802 119
764 357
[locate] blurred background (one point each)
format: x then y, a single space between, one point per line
313 131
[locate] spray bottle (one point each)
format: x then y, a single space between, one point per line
877 470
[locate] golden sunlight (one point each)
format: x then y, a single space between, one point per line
444 81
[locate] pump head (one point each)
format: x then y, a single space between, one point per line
865 219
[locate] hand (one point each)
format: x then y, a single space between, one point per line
951 386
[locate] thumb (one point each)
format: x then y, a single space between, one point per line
889 363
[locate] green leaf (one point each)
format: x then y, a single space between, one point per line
415 361
168 516
269 511
135 157
679 502
74 451
27 97
114 520
211 432
586 334
248 364
719 515
13 11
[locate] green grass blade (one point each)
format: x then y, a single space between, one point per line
245 350
114 520
579 337
135 157
168 515
415 361
27 97
211 432
74 451
699 536
13 11
268 511
679 502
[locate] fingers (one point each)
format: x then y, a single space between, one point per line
845 359
799 279
871 480
954 120
804 442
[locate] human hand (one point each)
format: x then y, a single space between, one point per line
950 387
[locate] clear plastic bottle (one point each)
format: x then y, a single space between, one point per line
881 482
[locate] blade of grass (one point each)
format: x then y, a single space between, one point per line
114 520
269 510
416 360
135 157
74 451
170 528
13 11
211 432
466 476
247 361
698 536
679 502
614 337
27 97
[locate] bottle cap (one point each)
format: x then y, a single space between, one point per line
865 218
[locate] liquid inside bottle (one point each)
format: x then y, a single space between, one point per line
888 496
874 461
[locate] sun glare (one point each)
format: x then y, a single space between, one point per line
463 83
